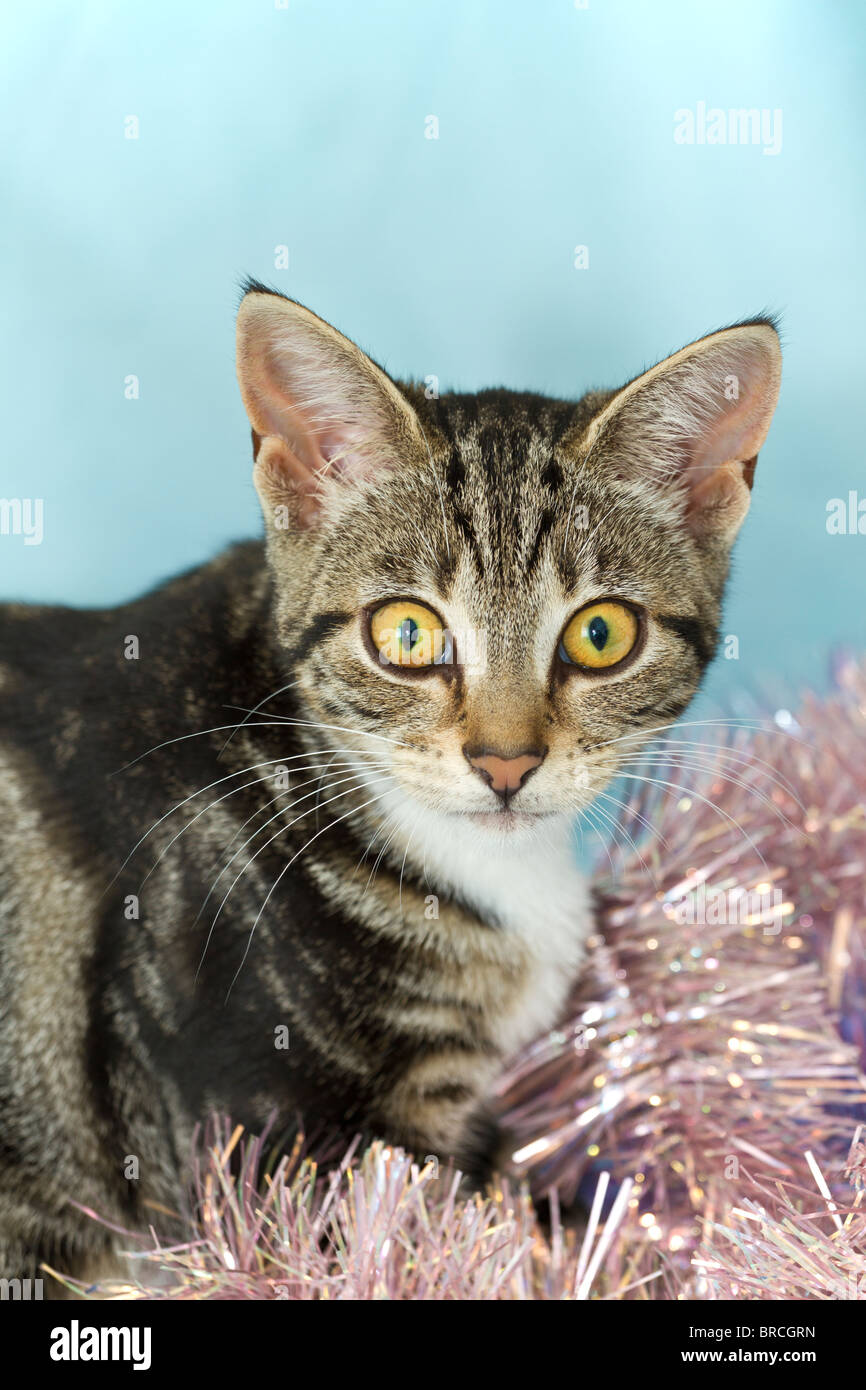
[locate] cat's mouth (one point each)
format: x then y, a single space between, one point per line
505 819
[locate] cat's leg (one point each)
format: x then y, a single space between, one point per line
484 1152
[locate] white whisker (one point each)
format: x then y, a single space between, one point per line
268 777
690 791
261 724
403 863
723 752
353 811
634 813
617 826
755 725
337 767
268 762
690 764
266 700
357 783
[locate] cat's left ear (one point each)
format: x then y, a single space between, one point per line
323 414
692 426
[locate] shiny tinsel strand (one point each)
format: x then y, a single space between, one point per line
700 1095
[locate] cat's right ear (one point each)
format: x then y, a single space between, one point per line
690 428
323 415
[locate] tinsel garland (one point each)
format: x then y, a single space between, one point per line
702 1052
701 1098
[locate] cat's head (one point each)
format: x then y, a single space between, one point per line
492 595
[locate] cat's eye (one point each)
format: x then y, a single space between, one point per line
406 633
601 635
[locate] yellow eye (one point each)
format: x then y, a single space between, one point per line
405 633
600 635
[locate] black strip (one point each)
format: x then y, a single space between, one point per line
320 628
345 707
465 527
445 568
668 709
552 475
431 1042
455 473
543 532
448 1090
691 630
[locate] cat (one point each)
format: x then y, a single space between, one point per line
293 833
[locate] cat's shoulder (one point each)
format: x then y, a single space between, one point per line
179 612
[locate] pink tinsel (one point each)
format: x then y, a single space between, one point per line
702 1048
702 1093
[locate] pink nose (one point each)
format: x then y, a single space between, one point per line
504 775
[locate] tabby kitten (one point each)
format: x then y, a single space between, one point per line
348 762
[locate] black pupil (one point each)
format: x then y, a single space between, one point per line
408 632
598 633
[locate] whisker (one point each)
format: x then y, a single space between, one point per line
353 811
633 812
741 755
618 826
316 807
618 829
375 766
269 762
403 864
756 726
282 830
199 733
671 760
335 782
246 709
233 792
170 812
396 825
341 729
350 777
690 791
266 700
586 811
261 724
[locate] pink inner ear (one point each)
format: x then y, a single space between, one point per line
740 428
314 451
296 465
736 436
338 459
333 458
324 448
333 415
718 502
283 478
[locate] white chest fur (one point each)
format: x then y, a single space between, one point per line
528 885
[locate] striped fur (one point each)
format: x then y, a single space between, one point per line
407 934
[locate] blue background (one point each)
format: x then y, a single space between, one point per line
304 126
